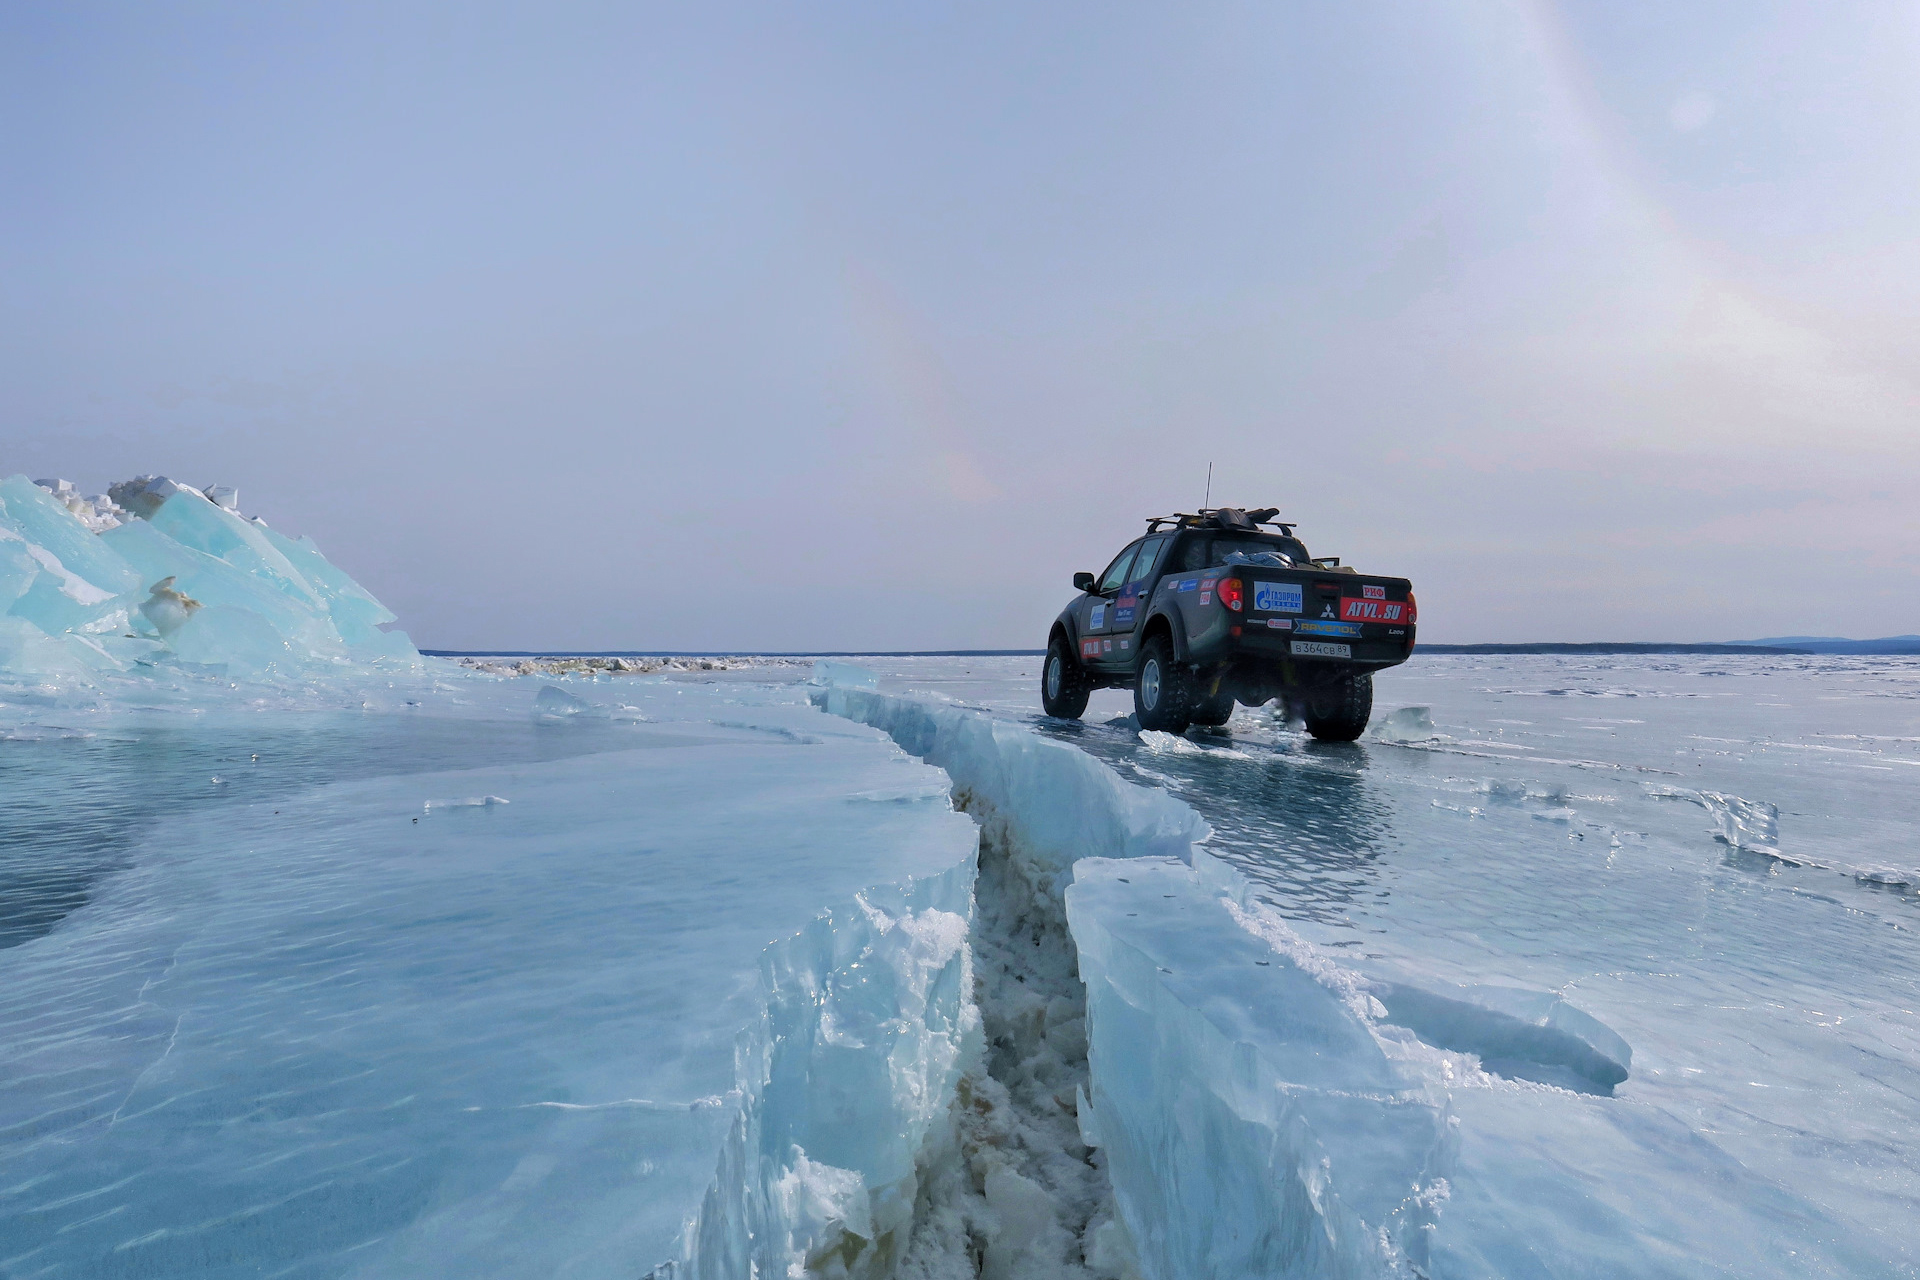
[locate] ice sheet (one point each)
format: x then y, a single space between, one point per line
1549 871
372 1028
1621 987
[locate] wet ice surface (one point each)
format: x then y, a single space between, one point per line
1713 858
420 983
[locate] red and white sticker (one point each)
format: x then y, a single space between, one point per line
1352 610
1374 593
1088 648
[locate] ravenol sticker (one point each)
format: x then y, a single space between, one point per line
1280 624
1277 597
1099 618
1374 593
1328 628
1375 610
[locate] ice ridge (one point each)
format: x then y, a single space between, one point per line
868 1022
163 575
1248 1116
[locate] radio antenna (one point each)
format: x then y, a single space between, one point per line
1209 498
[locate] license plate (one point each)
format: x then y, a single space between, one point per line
1320 649
1277 597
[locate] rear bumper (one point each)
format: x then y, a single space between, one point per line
1259 667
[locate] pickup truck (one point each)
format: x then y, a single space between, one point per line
1226 606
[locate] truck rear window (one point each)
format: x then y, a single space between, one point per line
1212 552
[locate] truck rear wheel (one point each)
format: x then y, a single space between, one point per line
1163 691
1339 713
1213 711
1063 683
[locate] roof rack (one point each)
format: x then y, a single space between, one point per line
1229 518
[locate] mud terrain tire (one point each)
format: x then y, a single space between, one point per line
1063 682
1163 691
1339 713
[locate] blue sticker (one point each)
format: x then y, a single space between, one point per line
1188 585
1328 628
1098 618
1121 617
1277 597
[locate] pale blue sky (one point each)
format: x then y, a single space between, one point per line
864 326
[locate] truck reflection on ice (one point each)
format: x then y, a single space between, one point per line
1298 818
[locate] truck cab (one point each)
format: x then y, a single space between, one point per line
1222 606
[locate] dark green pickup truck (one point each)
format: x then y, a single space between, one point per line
1222 606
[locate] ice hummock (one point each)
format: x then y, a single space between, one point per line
162 574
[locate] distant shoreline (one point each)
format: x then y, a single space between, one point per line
1609 647
732 653
1892 647
1595 649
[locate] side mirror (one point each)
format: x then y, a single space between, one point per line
1083 582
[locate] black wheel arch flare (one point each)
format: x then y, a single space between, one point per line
1163 619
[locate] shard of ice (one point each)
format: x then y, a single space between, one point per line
161 574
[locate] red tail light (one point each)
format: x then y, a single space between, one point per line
1231 595
1413 610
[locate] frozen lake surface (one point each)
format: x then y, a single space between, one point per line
451 980
1714 858
281 993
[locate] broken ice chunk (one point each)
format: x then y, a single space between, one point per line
557 704
468 802
167 609
1405 725
241 641
87 571
144 495
843 675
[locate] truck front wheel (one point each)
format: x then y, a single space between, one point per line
1063 683
1163 693
1339 713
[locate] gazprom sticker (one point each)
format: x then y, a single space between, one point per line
1099 618
1277 597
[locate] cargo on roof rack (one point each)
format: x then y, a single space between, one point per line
1231 518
